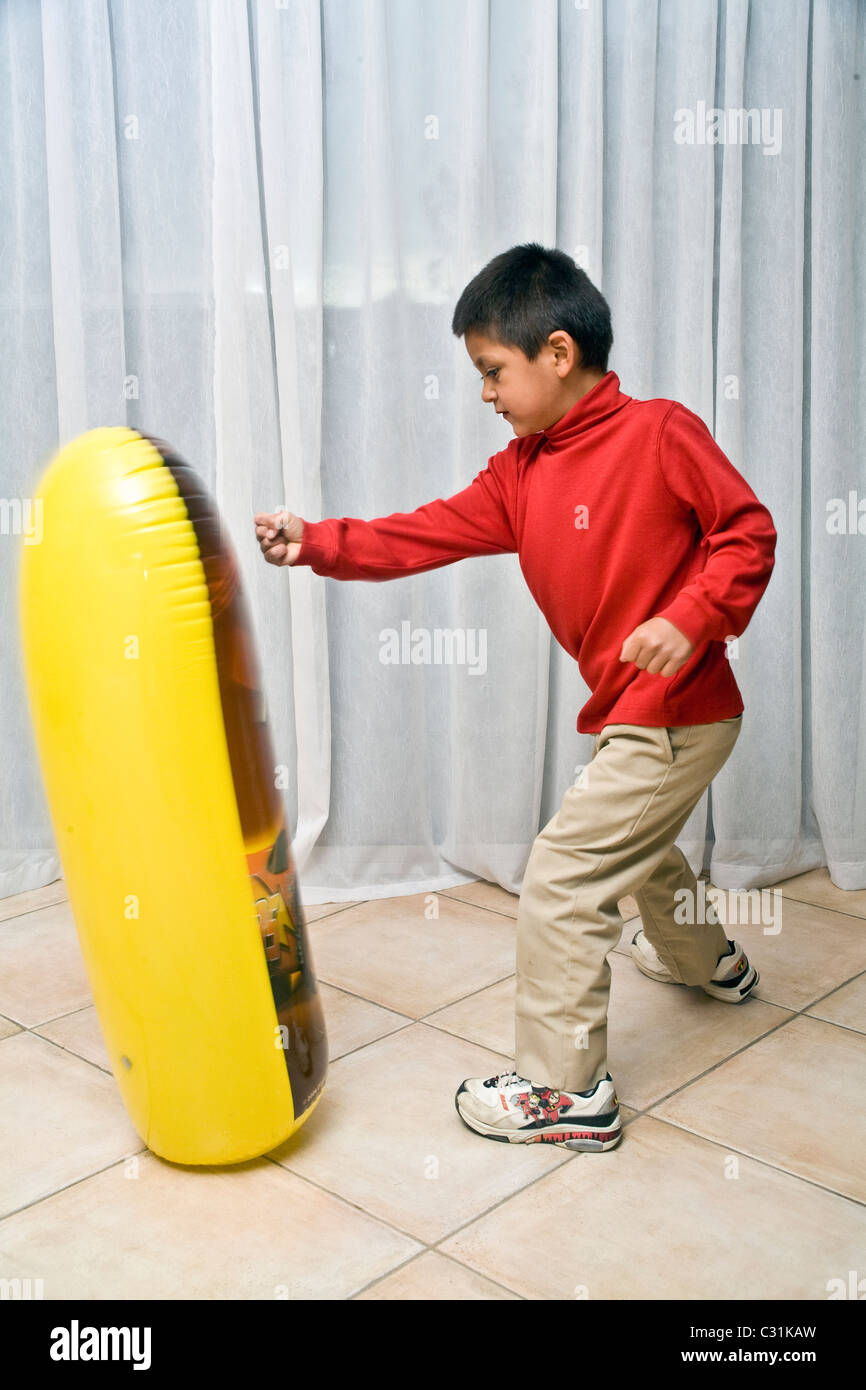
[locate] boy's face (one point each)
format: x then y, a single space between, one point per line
529 395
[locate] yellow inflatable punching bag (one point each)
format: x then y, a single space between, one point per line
156 755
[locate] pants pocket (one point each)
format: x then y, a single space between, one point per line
658 733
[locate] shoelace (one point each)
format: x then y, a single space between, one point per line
506 1078
510 1078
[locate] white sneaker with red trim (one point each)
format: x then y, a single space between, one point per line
511 1108
732 981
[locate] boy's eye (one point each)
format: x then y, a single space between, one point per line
488 373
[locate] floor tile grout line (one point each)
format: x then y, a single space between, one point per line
449 1033
792 1014
104 1071
494 912
43 907
569 1157
821 997
482 907
380 1278
68 1014
649 1109
362 998
410 1023
770 888
446 1255
461 999
309 921
55 1018
845 1027
842 984
753 1158
31 1027
428 1020
723 1061
716 1143
339 1196
448 892
443 1255
618 949
434 1246
267 1157
464 997
64 902
635 916
332 1192
428 1017
822 907
390 1225
344 907
637 1113
76 1182
428 1245
440 893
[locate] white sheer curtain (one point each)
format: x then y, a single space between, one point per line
243 227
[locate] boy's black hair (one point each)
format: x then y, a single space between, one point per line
525 294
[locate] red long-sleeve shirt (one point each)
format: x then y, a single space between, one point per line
621 511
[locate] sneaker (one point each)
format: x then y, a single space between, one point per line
732 980
510 1108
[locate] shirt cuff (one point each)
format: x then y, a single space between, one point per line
689 617
317 547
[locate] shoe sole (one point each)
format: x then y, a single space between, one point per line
734 993
737 990
594 1134
665 979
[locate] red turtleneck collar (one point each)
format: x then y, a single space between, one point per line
600 401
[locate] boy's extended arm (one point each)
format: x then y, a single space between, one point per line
475 521
737 530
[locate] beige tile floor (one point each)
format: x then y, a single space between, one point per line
739 1176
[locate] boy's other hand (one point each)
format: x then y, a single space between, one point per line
279 534
657 647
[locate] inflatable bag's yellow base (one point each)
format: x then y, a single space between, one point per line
156 755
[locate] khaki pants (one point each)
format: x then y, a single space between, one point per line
613 835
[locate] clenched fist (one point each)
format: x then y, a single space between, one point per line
279 534
658 647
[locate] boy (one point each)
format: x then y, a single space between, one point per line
645 549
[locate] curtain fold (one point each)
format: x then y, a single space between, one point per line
242 226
